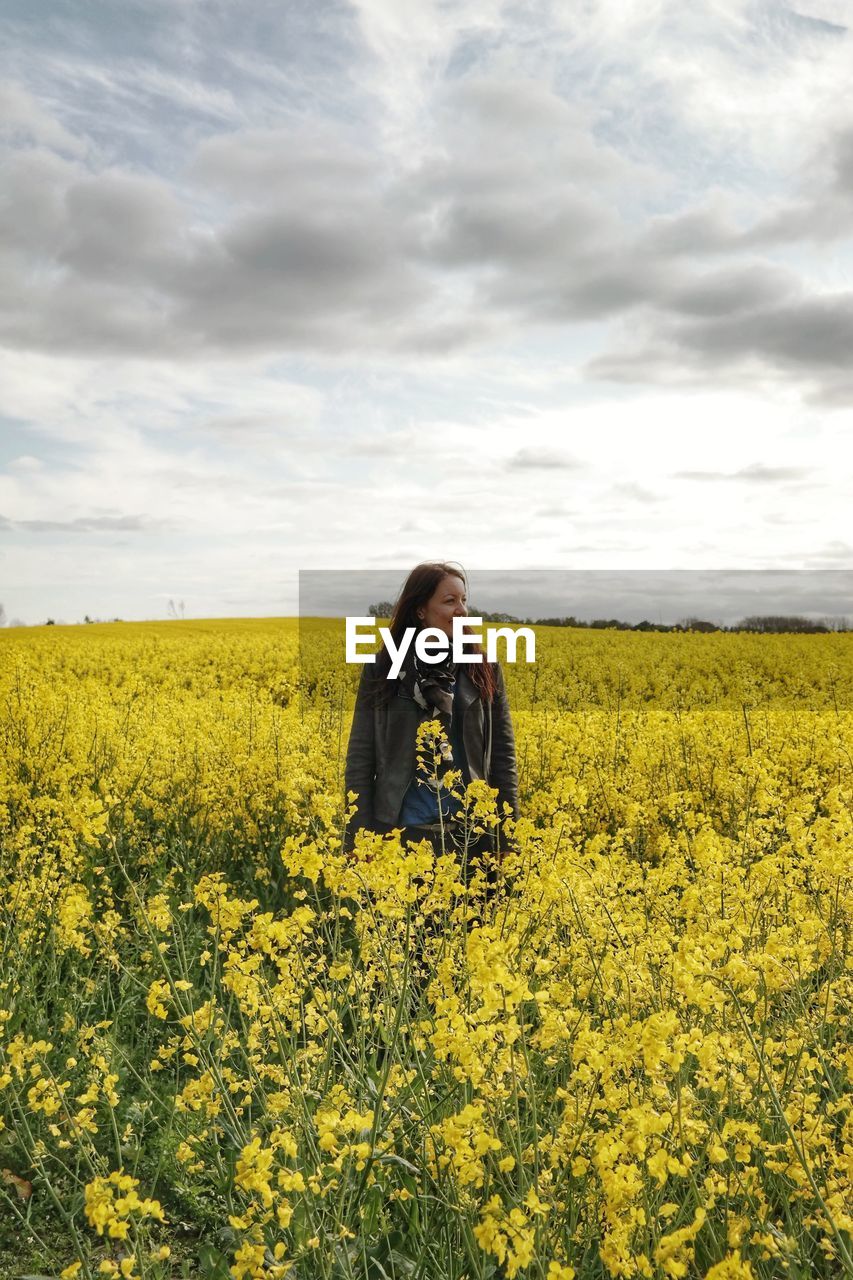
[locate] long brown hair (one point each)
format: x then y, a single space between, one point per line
418 588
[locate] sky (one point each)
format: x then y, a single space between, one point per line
346 286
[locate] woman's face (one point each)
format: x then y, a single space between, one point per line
448 601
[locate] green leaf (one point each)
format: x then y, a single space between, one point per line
371 1203
213 1263
388 1157
403 1266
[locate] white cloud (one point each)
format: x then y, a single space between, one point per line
22 116
360 284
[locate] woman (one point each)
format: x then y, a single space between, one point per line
469 700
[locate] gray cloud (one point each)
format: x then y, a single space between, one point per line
89 524
522 200
386 444
837 552
823 211
636 492
843 161
504 230
121 229
23 117
806 340
691 232
127 274
836 393
811 334
353 194
532 459
756 473
250 165
733 290
592 286
322 244
810 25
32 213
759 473
309 237
554 512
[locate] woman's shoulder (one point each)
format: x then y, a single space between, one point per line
494 668
376 683
496 679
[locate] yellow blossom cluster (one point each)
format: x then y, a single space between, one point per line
113 1203
626 1052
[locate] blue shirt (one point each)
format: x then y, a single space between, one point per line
420 803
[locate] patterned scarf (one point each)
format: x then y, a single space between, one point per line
431 685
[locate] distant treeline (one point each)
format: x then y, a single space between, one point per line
766 624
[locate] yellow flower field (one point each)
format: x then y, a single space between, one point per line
228 1049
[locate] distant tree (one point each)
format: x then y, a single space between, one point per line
86 618
2 616
383 609
50 623
698 624
775 623
493 617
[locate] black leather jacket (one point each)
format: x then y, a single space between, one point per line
381 753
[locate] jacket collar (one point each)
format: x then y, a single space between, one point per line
467 689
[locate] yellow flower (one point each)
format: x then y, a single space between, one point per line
254 1171
111 1204
158 994
731 1268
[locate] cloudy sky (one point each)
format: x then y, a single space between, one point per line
326 285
